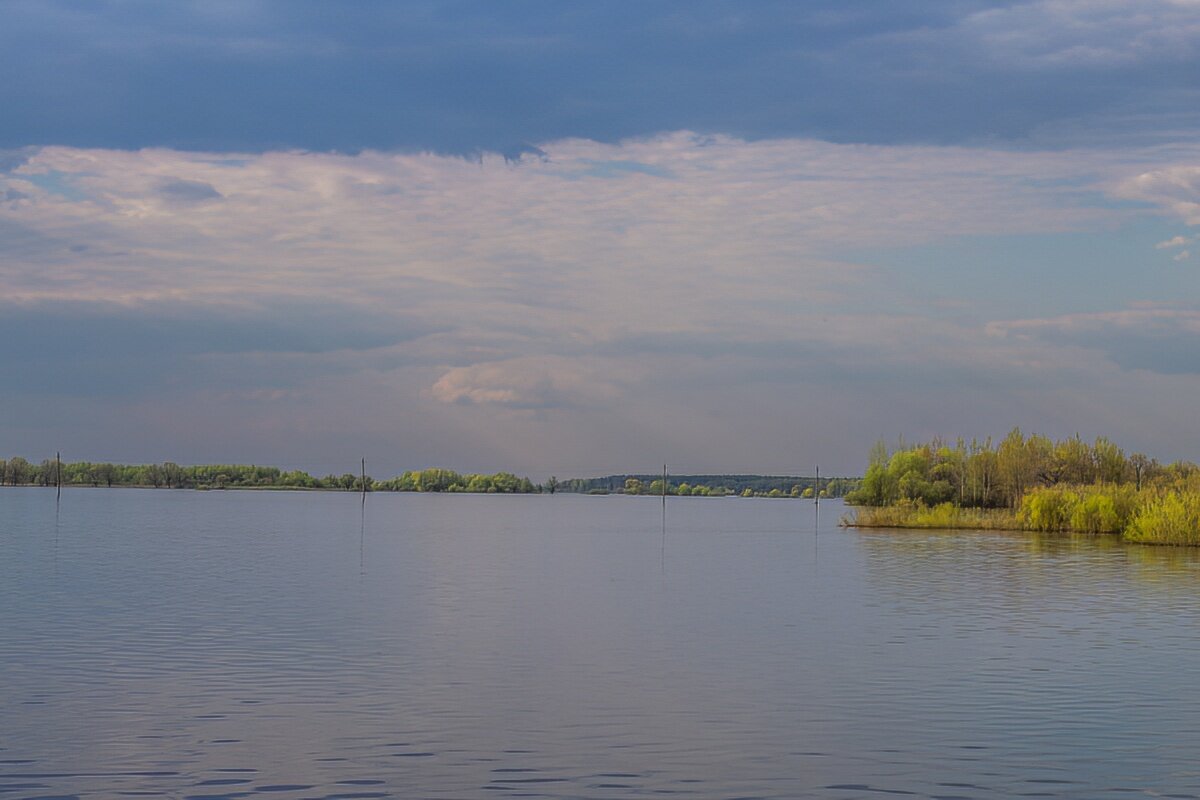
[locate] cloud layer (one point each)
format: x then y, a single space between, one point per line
578 307
476 75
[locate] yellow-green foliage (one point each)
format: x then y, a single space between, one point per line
1105 509
1048 509
907 514
1096 513
1152 516
1172 517
1066 486
1100 508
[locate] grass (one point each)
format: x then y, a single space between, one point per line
943 515
1151 516
1172 517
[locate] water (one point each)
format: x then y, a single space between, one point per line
289 645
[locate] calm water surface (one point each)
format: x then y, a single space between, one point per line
289 645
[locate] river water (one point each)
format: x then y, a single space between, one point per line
290 645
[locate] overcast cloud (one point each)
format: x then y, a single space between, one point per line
547 238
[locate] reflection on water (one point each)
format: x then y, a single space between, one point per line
224 645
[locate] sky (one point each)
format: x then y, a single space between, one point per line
587 238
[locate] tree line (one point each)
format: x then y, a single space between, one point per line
17 471
712 485
987 474
1031 483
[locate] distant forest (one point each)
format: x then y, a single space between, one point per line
18 471
712 485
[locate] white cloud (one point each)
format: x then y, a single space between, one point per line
702 227
1143 317
1182 255
529 383
1175 188
1084 33
1174 241
584 293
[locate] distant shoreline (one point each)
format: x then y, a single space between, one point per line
18 471
331 490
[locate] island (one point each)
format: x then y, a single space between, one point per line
1029 483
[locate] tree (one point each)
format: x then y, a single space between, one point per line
18 471
552 485
1013 468
1073 462
1110 461
105 473
480 484
506 482
172 475
879 453
1039 458
154 475
985 463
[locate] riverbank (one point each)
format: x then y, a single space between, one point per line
943 516
1030 483
1150 516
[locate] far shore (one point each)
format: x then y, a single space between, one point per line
333 490
17 471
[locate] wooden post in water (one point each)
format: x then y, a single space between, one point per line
364 477
57 475
663 558
817 487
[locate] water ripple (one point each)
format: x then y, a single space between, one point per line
231 645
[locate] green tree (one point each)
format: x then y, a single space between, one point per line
105 473
19 471
172 475
1073 462
1110 461
1139 463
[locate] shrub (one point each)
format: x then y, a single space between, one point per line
1095 513
1170 518
1048 509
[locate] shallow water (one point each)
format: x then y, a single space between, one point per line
289 645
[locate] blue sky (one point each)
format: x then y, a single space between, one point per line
590 237
463 76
